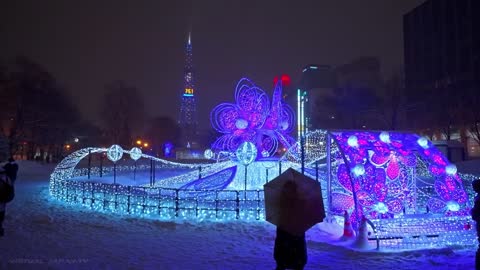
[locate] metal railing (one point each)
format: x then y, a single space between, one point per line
161 202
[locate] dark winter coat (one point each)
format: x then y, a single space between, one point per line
11 170
476 209
7 191
290 251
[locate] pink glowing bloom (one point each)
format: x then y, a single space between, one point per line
253 118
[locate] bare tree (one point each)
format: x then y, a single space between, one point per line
162 130
473 114
34 108
122 112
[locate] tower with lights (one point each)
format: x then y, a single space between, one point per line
188 107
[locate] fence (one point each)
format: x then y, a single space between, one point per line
160 202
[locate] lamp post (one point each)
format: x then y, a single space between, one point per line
135 154
114 154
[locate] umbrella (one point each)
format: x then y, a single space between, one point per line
293 202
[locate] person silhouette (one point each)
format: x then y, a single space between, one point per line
290 250
7 191
476 216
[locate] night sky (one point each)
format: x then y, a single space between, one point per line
87 44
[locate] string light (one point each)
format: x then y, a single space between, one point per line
252 118
400 177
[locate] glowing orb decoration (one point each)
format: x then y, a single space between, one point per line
451 169
453 206
381 208
358 170
208 154
254 118
385 137
265 153
352 141
135 153
115 153
284 125
246 153
241 123
423 142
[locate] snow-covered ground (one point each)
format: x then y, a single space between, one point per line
42 233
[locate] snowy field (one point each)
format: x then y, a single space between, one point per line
42 233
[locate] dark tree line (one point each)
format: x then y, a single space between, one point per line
38 116
35 113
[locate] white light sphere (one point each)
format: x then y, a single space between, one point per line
453 206
208 154
423 142
384 137
265 153
76 140
246 153
135 153
241 123
352 141
381 208
358 170
115 153
451 169
284 125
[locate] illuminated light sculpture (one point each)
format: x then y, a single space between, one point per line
386 187
453 206
208 154
115 153
135 153
246 154
384 137
353 141
381 208
253 118
386 192
451 169
315 146
358 170
423 142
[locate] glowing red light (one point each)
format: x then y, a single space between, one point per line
275 80
286 80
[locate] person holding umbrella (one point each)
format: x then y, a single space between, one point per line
293 203
290 250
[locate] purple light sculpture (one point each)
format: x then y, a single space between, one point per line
386 186
252 118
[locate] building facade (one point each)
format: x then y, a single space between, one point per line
442 58
442 43
316 82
